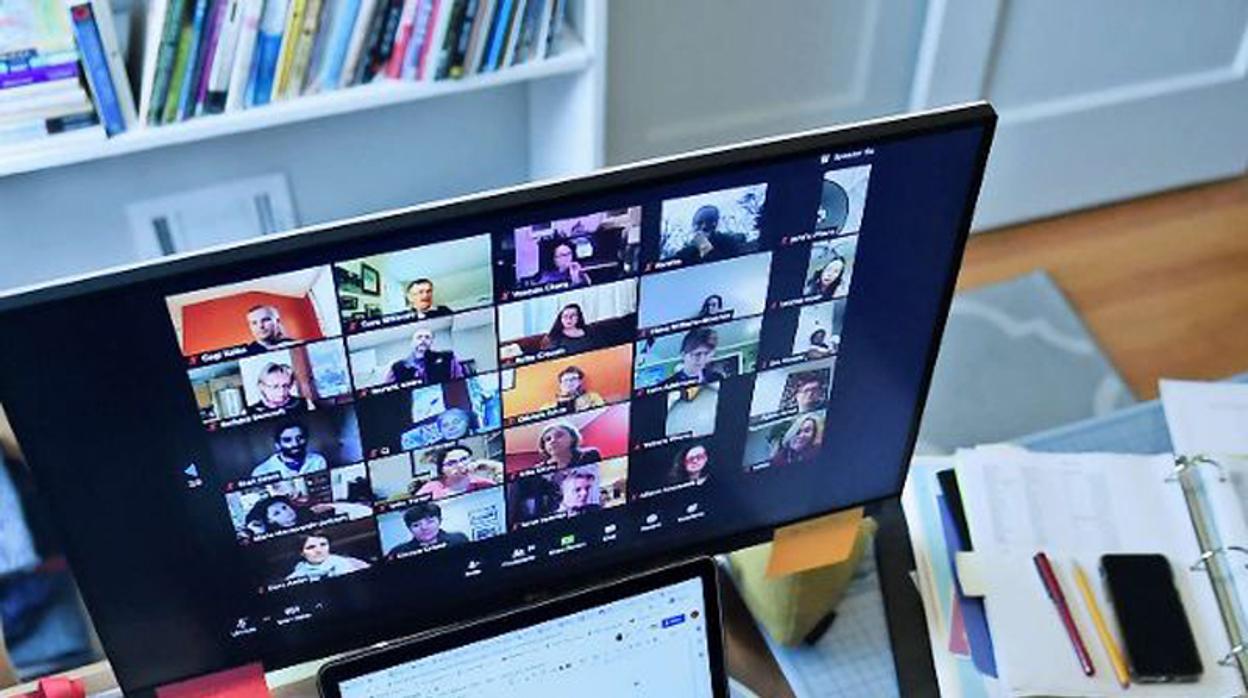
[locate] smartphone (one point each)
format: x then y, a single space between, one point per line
1159 643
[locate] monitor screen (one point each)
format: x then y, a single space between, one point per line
655 643
278 451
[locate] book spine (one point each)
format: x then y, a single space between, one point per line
513 34
165 57
103 13
39 74
186 92
446 46
39 127
290 39
223 61
268 50
385 43
303 48
476 37
556 29
433 38
360 33
463 38
331 11
407 19
88 36
364 65
183 55
502 20
348 18
208 54
420 36
243 70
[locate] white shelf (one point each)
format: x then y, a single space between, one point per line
573 57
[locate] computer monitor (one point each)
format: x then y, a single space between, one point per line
658 634
287 449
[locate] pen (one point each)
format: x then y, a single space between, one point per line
1054 589
1098 619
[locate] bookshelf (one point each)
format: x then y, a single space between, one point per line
343 153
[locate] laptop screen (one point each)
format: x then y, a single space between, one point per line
651 644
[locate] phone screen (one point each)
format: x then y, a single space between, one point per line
1159 641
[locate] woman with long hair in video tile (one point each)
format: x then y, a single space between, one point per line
801 441
560 445
826 280
713 304
279 512
319 563
569 331
690 465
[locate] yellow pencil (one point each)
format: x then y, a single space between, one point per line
1111 647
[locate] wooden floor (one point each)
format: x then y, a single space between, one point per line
1162 282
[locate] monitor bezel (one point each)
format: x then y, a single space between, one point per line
334 673
603 183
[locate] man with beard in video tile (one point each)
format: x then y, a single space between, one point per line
291 456
424 364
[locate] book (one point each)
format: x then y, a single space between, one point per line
268 50
169 113
208 52
70 98
36 43
498 36
551 30
28 67
476 37
223 58
446 46
66 130
348 19
530 28
302 56
190 74
244 69
420 37
95 63
357 44
103 12
52 90
438 13
379 55
513 35
154 22
170 33
290 38
402 37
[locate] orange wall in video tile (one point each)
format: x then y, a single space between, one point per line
222 322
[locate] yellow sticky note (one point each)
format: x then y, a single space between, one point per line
819 542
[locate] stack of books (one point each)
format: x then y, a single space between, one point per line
212 56
62 78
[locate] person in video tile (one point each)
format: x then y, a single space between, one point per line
573 391
276 383
810 393
419 295
697 348
827 279
457 467
820 347
690 465
579 493
709 244
560 445
424 364
424 522
291 456
569 331
279 512
560 265
801 441
265 323
713 305
319 563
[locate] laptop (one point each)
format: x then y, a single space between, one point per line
657 634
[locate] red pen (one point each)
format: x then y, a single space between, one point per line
1054 589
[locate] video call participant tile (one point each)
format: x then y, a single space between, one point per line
300 504
283 381
566 493
813 273
789 441
571 322
681 466
710 227
421 417
843 200
449 470
805 333
424 352
570 384
563 442
784 392
312 557
704 354
422 283
694 411
687 298
569 253
286 447
426 527
252 317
